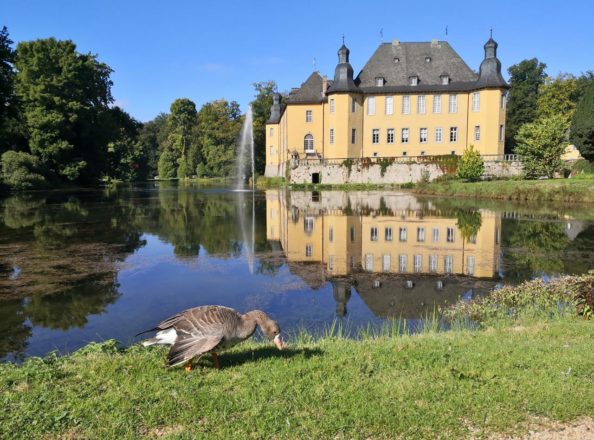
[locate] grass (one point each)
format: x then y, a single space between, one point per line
558 190
455 384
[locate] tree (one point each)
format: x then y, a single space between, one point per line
261 112
541 144
558 96
21 170
471 165
525 79
152 136
12 129
219 124
167 168
582 125
62 94
126 157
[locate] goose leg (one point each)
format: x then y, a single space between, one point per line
215 360
189 367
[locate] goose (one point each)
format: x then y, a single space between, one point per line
203 329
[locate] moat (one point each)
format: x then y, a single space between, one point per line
85 266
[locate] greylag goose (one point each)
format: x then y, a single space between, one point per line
199 330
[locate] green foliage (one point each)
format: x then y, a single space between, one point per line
384 163
558 96
22 171
62 95
582 166
126 156
11 127
471 165
261 113
525 79
541 144
166 167
582 125
151 137
469 222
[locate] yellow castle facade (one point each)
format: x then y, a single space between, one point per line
410 99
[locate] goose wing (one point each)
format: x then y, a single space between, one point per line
188 347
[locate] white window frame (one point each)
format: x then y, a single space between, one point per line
445 80
353 105
375 135
402 263
414 80
271 131
371 106
369 262
389 105
423 135
331 263
308 250
476 102
388 234
386 262
453 104
451 235
308 116
420 234
448 264
406 105
390 136
436 104
433 263
435 235
373 233
308 224
501 132
331 105
421 104
470 265
402 234
404 139
417 263
453 135
379 81
438 135
331 135
308 147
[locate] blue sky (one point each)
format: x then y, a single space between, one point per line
207 50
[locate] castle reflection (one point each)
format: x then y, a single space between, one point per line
402 255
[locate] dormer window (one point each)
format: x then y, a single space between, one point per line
379 81
427 59
445 79
396 60
414 80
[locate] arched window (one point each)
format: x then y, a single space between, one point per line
308 143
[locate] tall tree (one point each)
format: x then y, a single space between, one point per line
11 127
62 94
558 96
525 79
219 124
127 159
177 147
582 125
152 137
261 112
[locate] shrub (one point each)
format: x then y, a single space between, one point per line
471 165
582 166
21 171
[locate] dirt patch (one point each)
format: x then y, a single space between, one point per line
544 429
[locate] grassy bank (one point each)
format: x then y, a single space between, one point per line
558 190
455 384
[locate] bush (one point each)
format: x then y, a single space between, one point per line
582 166
21 171
471 165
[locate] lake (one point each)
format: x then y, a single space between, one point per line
82 266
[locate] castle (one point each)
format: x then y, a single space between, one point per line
410 99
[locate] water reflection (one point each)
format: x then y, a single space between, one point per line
82 266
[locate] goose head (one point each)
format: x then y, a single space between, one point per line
268 326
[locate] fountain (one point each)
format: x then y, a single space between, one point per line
246 146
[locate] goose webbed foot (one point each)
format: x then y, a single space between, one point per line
215 360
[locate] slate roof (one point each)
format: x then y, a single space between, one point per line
310 91
412 61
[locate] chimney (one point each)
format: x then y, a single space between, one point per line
324 85
395 42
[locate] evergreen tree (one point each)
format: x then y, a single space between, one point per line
525 79
582 125
12 129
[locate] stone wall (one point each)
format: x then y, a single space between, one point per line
396 173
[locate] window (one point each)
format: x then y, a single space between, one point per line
435 235
390 136
501 133
436 103
375 136
331 135
331 263
331 105
396 60
369 262
438 134
352 234
371 106
353 136
308 143
404 153
422 152
503 101
450 235
405 105
420 234
373 233
477 132
414 80
386 263
271 150
417 263
421 107
308 116
448 264
402 263
445 80
453 134
404 137
308 224
308 250
352 262
379 81
472 239
353 105
453 104
271 132
388 234
402 234
476 101
331 234
470 265
432 263
427 59
389 105
423 135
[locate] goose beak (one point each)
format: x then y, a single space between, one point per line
278 342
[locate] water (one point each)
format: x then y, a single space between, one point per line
85 266
246 147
